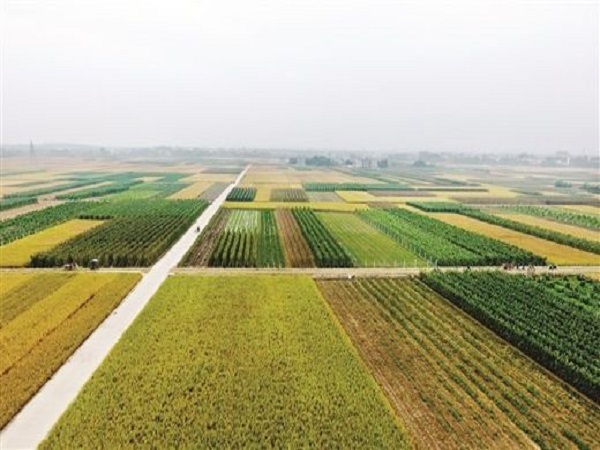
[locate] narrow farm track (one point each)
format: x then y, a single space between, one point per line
374 272
34 421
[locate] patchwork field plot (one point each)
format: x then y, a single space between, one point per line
18 253
239 194
317 206
327 251
320 197
297 250
556 253
194 190
590 221
288 195
556 322
368 246
448 245
134 236
572 230
199 254
43 319
21 226
234 362
452 382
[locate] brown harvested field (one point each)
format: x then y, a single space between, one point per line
296 249
573 230
452 382
556 253
200 253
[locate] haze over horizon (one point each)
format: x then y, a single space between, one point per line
488 76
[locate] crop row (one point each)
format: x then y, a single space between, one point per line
450 379
327 251
239 194
554 329
26 224
444 244
248 239
11 203
288 195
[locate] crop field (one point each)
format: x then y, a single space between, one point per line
556 253
320 197
297 252
438 242
33 222
452 382
242 379
238 238
192 191
43 319
368 246
582 209
137 234
557 324
317 206
589 221
288 195
11 203
239 194
572 230
18 253
327 250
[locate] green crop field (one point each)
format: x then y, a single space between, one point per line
232 362
556 323
368 246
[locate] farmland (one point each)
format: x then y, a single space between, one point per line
242 194
308 309
19 253
552 251
369 247
288 195
449 379
43 319
327 251
557 325
448 245
245 381
134 236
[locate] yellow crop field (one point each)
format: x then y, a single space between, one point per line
555 226
192 191
492 191
317 206
44 320
8 281
556 253
587 209
357 196
211 177
269 367
262 174
18 253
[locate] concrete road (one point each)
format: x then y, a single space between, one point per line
30 426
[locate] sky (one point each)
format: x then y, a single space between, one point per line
477 75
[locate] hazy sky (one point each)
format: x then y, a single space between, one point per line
423 74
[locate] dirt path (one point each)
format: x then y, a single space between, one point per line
30 426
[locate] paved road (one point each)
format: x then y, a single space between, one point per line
34 421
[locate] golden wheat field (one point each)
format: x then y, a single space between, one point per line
573 230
